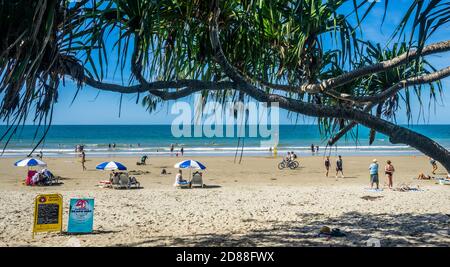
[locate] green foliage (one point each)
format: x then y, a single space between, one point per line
271 41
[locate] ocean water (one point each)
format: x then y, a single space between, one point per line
136 140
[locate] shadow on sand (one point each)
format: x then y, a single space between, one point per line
391 229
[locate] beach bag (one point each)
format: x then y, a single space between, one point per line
30 175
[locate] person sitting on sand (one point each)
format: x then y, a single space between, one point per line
389 171
424 177
373 170
163 172
327 165
179 179
112 175
434 165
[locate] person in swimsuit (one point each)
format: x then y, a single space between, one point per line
389 171
327 165
83 160
434 165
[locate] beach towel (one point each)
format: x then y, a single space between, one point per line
444 181
374 190
30 175
406 188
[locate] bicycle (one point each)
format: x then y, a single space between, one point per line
291 164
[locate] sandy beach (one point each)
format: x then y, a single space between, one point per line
247 204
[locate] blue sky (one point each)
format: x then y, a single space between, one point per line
94 107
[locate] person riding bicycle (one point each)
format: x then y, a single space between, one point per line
288 157
293 155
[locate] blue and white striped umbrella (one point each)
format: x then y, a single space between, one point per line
110 166
190 164
30 162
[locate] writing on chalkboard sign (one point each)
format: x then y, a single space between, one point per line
47 213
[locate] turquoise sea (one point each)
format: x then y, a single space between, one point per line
135 140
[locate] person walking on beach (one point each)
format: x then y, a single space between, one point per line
317 149
373 170
389 171
339 167
182 151
327 165
83 160
312 148
171 149
434 165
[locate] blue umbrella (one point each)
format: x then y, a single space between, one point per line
30 162
190 164
110 166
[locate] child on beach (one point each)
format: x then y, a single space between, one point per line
339 167
373 170
389 171
327 165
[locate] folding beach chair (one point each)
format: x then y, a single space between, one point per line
115 181
133 182
197 180
123 180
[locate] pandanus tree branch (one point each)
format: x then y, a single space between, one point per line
159 88
240 82
371 101
348 77
397 134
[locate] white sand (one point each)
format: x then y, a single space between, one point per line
246 205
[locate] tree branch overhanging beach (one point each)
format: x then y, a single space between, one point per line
270 51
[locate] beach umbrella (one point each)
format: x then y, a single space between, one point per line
30 162
190 164
110 166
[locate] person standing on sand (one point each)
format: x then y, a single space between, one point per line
312 148
389 171
83 160
317 149
182 151
373 170
339 167
327 165
434 165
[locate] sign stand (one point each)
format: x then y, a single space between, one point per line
47 213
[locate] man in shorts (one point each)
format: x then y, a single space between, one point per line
339 167
373 169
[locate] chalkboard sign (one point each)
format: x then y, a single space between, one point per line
47 213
